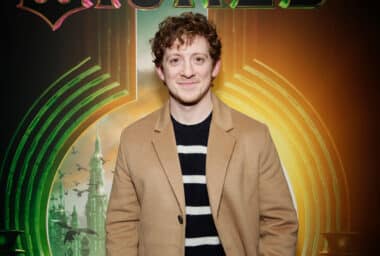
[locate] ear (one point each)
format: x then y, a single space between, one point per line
160 73
216 68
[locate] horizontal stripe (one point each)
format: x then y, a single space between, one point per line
191 179
191 139
205 250
200 225
191 149
198 241
192 164
196 195
198 210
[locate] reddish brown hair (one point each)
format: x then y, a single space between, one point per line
184 28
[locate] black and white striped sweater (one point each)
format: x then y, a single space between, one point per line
201 234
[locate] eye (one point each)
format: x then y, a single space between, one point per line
199 60
174 61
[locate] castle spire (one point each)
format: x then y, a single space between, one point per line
74 218
96 205
98 150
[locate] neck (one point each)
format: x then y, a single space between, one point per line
192 114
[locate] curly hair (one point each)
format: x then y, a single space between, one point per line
184 28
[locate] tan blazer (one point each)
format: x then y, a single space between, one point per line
249 196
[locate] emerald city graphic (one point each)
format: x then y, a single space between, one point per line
73 232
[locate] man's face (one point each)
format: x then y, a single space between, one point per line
188 70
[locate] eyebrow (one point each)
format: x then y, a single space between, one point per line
196 53
173 54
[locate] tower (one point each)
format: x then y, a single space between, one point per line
75 245
96 203
57 214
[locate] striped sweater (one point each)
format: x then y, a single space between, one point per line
201 234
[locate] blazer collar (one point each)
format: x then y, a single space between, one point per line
163 118
220 148
221 115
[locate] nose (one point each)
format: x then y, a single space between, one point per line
187 70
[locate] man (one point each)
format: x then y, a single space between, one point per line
197 177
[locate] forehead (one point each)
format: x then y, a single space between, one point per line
198 44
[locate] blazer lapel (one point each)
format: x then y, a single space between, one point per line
219 151
165 147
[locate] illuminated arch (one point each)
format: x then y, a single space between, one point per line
306 148
56 119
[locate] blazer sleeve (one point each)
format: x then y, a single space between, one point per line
123 210
278 217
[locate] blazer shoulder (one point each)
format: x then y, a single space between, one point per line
250 132
140 129
244 123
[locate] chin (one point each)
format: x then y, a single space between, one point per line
187 101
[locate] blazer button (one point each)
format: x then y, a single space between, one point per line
180 219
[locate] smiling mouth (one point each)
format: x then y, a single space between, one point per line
187 83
